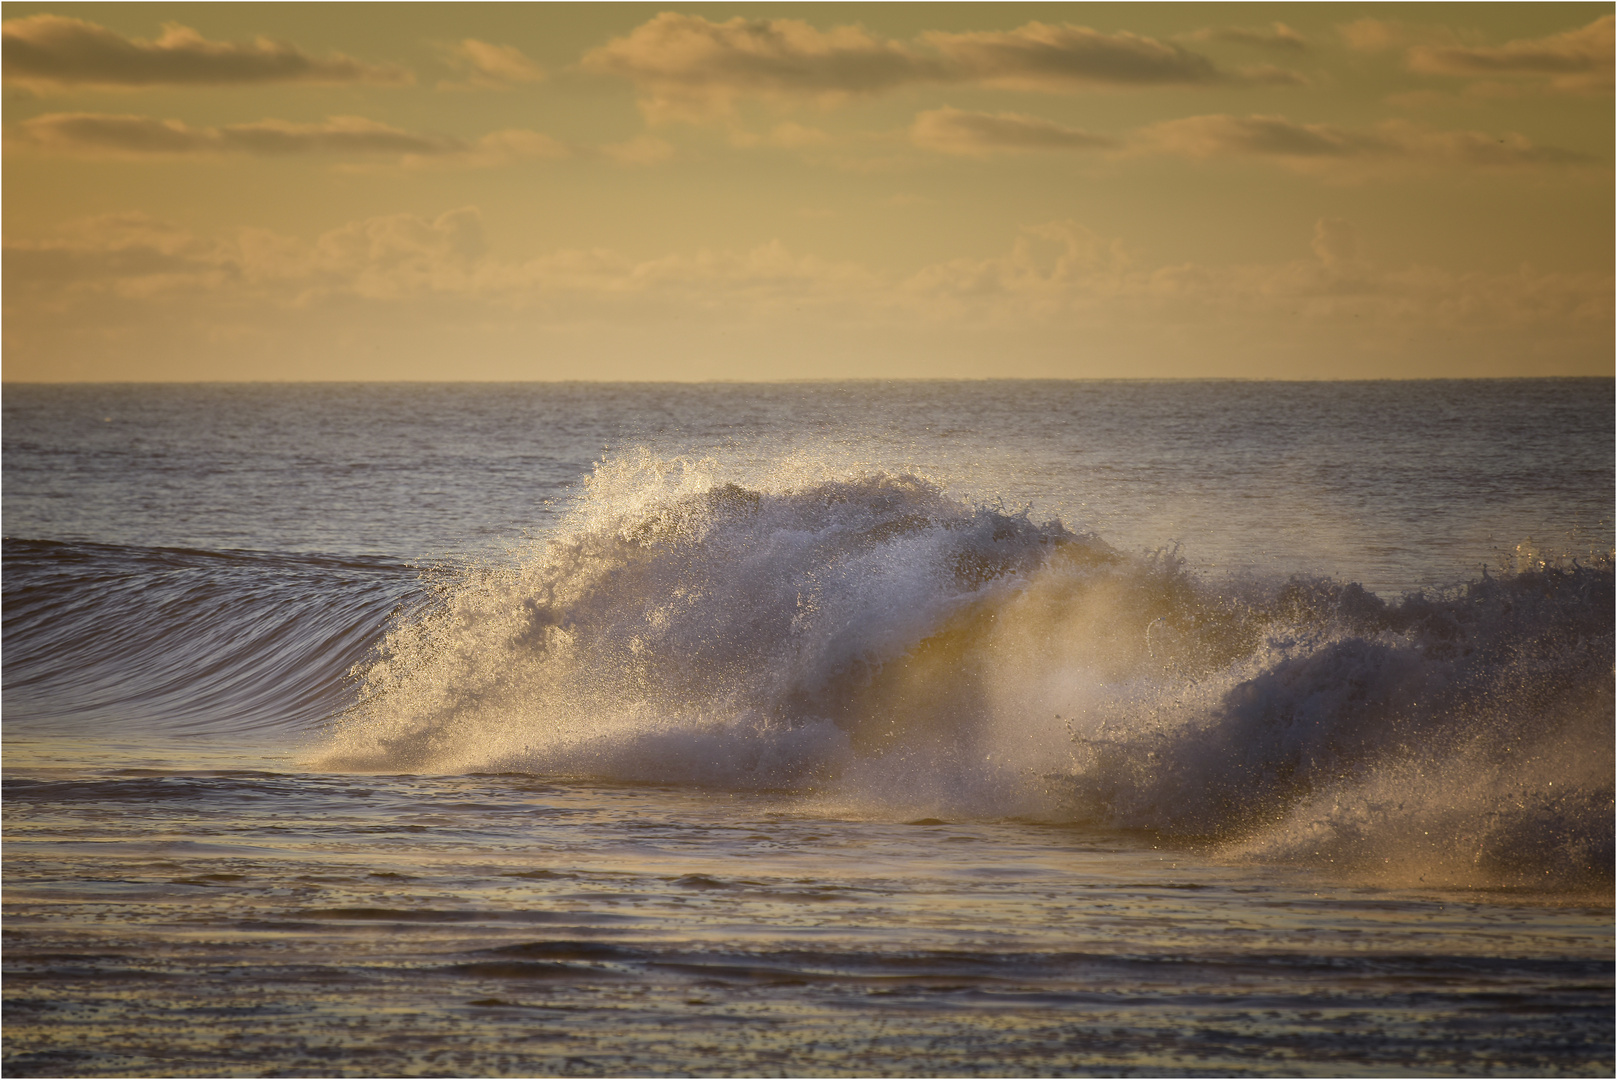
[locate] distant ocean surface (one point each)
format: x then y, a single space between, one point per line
1005 728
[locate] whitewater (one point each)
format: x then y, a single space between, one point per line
916 728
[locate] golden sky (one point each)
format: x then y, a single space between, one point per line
784 191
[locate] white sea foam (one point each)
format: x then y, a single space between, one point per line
874 644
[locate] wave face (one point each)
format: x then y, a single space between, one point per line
173 639
872 643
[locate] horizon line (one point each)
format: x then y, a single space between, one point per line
794 382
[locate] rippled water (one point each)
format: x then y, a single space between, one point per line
907 729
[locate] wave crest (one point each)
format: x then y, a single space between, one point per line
872 642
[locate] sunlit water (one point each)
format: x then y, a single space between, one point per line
914 729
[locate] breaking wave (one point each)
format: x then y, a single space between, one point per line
873 644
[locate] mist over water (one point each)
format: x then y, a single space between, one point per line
867 689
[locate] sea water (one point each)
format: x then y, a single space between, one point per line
823 729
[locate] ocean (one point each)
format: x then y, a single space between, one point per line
914 728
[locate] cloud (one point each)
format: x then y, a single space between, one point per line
1350 151
1269 75
497 148
490 67
45 52
955 131
1336 242
689 68
101 134
115 288
1372 35
382 257
1579 60
1277 36
404 257
1040 56
350 138
1051 267
104 135
787 135
1274 136
1064 273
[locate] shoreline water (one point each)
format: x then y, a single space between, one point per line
340 925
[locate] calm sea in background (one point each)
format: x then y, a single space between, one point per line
847 728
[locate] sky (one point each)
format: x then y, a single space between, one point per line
785 191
